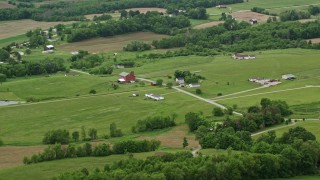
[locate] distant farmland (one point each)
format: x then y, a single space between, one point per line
14 28
109 44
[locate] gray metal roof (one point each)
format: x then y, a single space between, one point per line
124 74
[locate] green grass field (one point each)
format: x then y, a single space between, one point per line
310 125
270 4
51 169
92 112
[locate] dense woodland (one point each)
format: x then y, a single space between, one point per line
151 21
235 36
293 153
74 10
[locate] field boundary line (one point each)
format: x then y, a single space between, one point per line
271 92
74 98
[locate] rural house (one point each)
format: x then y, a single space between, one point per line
155 97
253 21
180 80
288 76
243 56
221 6
127 77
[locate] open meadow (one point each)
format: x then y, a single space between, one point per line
18 27
270 4
96 111
115 43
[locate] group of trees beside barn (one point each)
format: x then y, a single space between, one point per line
235 36
74 10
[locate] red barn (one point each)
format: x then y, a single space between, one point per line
127 77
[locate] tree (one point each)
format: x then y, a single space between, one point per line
114 132
169 85
75 136
194 120
159 82
3 78
56 136
198 91
217 111
185 142
28 51
83 133
93 133
1 142
4 55
92 91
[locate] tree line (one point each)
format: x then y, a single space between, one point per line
154 123
27 68
151 21
57 151
283 160
233 36
74 11
236 132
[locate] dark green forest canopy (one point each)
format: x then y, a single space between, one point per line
74 10
236 36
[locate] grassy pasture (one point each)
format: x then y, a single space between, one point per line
51 169
300 97
247 15
4 5
209 24
222 69
92 112
270 4
310 125
18 27
115 43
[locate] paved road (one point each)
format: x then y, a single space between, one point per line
270 92
292 124
195 96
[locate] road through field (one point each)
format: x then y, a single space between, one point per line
271 92
195 96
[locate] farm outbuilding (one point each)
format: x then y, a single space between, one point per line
288 76
127 77
193 85
253 21
154 96
243 56
49 48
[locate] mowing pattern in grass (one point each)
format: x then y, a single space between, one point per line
109 44
26 124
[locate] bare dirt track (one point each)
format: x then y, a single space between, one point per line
144 10
247 15
17 27
11 156
174 138
209 24
4 5
306 20
109 44
315 40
